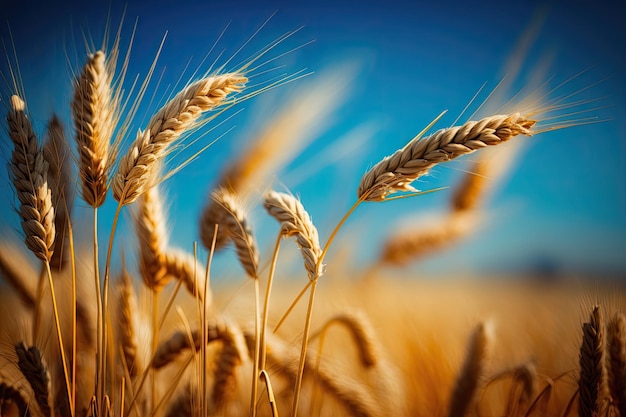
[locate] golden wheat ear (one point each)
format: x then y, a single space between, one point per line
592 378
12 401
35 370
94 111
138 167
396 172
470 378
29 171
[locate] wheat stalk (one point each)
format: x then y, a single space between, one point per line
395 173
34 369
137 167
57 153
469 379
30 179
295 221
94 110
616 348
592 366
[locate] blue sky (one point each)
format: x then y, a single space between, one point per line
563 204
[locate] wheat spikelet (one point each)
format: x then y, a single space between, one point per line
57 153
295 221
408 245
170 349
94 110
592 370
233 353
127 311
469 379
616 341
395 173
234 222
150 226
9 396
184 267
34 369
137 167
29 170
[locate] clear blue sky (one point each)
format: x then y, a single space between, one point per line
564 204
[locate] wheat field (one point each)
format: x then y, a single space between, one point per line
111 317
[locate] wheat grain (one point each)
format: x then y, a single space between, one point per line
29 170
150 226
395 173
592 366
94 110
295 221
34 369
616 348
138 166
235 223
469 379
57 153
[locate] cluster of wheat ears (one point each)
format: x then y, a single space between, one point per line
75 345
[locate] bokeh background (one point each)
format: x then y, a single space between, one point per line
560 211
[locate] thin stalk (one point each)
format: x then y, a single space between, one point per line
266 304
99 323
305 337
105 297
38 300
205 341
70 236
257 348
270 393
170 301
318 359
122 389
155 339
59 336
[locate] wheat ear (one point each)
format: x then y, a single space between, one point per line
235 223
9 395
34 369
592 366
137 167
395 173
150 225
127 323
184 267
57 153
233 353
469 379
94 110
170 349
616 341
212 217
295 221
29 170
16 271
